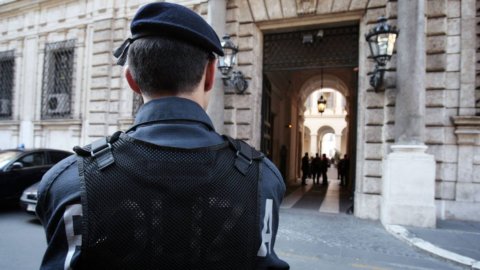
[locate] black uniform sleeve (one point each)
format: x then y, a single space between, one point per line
272 192
59 191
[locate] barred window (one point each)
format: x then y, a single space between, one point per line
58 79
7 66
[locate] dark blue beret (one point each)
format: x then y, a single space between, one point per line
168 19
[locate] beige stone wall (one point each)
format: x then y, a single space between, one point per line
254 18
443 86
100 100
448 84
103 103
375 119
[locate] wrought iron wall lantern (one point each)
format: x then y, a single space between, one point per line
230 77
321 104
381 40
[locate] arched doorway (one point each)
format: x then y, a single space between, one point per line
296 73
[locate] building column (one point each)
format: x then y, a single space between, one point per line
27 100
468 41
313 144
408 195
338 103
338 142
217 12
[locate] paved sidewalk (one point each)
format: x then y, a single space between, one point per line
455 241
309 239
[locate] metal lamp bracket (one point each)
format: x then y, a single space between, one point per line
237 81
376 79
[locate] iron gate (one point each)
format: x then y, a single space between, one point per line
310 49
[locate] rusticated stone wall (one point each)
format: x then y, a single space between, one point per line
103 103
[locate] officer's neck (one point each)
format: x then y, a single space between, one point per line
197 95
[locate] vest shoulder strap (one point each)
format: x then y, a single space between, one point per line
100 150
245 153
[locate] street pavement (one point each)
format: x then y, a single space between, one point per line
452 240
22 240
461 237
310 239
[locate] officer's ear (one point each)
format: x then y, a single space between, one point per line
210 74
131 81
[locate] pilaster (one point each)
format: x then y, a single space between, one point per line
408 191
217 13
313 144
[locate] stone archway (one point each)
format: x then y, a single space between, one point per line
321 132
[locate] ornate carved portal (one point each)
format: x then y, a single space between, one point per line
309 49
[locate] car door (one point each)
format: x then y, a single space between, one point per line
6 185
56 156
34 166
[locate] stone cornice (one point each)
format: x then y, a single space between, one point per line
467 129
58 122
467 121
9 123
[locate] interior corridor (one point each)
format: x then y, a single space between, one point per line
331 198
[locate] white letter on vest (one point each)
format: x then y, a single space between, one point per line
73 239
266 245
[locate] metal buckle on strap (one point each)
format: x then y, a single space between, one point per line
240 154
100 150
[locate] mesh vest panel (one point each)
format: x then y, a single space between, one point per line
169 208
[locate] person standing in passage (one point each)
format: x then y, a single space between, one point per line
340 170
305 168
325 164
316 168
344 165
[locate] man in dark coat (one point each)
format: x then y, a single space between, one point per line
305 168
325 164
344 167
316 169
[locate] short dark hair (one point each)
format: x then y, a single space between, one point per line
166 65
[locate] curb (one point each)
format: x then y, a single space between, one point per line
403 234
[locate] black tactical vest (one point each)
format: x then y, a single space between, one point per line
151 207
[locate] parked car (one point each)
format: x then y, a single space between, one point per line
29 198
20 169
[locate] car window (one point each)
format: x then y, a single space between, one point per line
6 157
55 156
34 159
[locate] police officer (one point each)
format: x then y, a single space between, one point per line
170 193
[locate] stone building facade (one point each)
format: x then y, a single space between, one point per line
37 36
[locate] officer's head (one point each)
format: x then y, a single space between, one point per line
171 51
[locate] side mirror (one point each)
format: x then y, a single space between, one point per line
16 166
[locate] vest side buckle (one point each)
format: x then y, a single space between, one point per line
102 153
242 162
